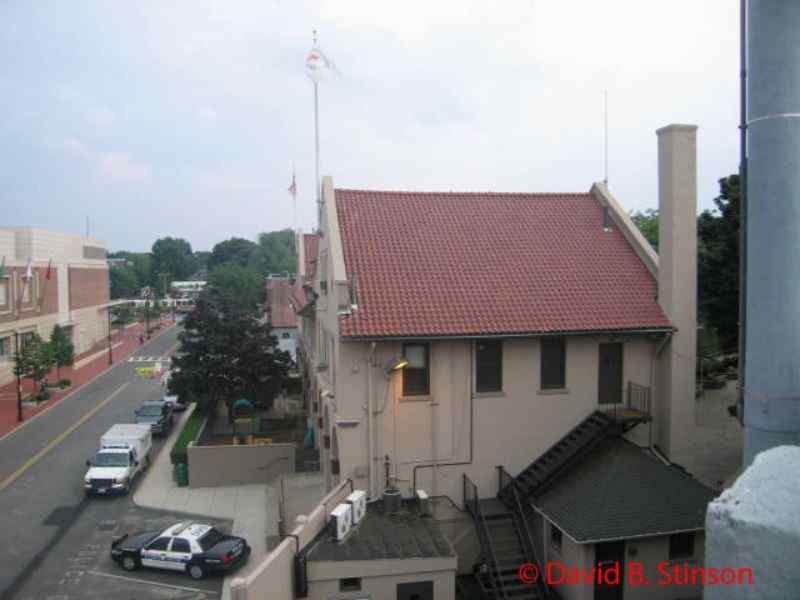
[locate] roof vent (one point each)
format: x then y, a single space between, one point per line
392 501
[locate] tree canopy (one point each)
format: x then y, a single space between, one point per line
173 256
235 251
123 281
236 286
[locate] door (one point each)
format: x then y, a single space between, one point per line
419 590
180 554
155 555
609 377
610 555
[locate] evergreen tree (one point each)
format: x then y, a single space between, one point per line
62 348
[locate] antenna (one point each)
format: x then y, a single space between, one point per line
605 138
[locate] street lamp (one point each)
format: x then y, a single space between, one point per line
19 379
110 351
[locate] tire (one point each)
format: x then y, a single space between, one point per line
196 571
130 562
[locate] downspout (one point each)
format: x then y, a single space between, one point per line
654 373
742 206
370 415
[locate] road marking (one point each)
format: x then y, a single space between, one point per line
148 582
58 439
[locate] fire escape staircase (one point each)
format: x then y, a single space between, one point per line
506 544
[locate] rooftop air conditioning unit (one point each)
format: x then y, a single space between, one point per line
358 500
342 520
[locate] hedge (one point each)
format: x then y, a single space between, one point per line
190 433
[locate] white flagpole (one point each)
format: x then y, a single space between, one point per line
317 182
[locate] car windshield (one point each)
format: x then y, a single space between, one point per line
210 539
111 459
150 411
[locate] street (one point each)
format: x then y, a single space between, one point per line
57 539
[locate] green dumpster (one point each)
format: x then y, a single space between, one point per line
181 474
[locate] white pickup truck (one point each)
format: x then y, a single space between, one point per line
124 452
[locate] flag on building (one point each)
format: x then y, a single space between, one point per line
293 186
49 269
29 270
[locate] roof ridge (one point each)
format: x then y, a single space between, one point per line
458 193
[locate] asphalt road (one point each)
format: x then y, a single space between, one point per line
56 540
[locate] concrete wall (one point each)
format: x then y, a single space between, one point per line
273 577
324 578
453 425
211 466
755 524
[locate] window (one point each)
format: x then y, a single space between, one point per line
555 537
554 360
416 375
5 348
160 544
4 292
681 545
350 584
181 545
210 539
488 366
25 338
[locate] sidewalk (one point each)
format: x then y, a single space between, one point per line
253 508
87 367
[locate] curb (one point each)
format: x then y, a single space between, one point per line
119 362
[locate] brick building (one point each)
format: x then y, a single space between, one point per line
68 286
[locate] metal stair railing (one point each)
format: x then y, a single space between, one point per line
472 504
505 482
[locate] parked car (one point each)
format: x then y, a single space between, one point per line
157 414
195 548
174 401
124 452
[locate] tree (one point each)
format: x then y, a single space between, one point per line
173 256
123 281
278 251
225 353
236 286
142 265
647 222
35 360
718 264
235 250
63 350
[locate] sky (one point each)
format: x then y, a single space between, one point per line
186 118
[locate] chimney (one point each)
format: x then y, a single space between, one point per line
677 287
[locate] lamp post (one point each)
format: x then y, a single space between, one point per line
19 378
110 350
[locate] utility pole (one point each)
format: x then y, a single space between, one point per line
19 378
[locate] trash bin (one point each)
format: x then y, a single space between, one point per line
181 474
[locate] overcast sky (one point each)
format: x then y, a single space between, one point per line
184 118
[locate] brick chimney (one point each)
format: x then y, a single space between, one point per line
677 287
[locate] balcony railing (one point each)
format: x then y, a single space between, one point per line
635 407
472 504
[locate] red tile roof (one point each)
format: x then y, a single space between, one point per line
450 264
310 250
281 310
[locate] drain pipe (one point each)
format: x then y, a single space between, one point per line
370 415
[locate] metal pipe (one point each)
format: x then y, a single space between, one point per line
742 205
370 416
19 378
772 337
110 351
504 336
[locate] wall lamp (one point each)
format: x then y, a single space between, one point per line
397 363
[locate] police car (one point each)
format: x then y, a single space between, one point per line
195 548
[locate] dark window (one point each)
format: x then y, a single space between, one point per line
210 539
555 537
416 375
350 584
488 366
160 544
418 590
181 545
554 361
681 545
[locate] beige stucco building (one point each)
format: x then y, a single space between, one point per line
68 286
445 335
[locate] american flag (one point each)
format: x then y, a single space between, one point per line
293 186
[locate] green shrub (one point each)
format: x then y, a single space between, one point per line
190 433
42 395
64 383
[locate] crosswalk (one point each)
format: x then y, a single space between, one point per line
150 359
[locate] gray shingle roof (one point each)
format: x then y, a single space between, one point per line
379 535
622 491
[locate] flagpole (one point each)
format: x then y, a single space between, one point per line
317 182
